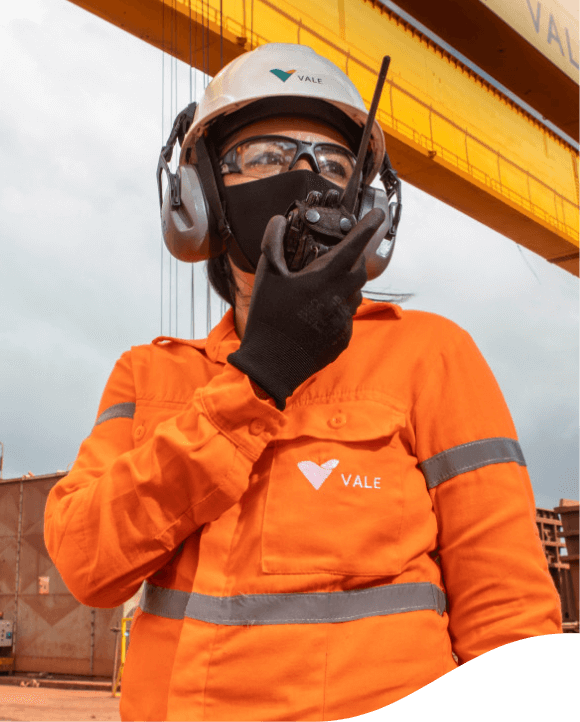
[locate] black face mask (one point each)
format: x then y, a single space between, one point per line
249 207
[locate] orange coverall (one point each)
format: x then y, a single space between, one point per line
298 563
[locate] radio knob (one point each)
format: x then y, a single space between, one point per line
345 225
312 216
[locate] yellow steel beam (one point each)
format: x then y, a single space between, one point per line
531 48
448 132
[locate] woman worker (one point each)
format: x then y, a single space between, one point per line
326 498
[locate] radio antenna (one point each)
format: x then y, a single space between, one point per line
349 197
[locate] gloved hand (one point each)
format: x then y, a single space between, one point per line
300 322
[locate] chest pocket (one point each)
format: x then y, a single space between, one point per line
335 498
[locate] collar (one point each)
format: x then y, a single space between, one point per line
369 307
223 339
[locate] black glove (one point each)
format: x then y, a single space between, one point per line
300 322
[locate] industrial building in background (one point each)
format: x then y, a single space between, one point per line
49 630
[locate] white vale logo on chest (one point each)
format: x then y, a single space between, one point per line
317 475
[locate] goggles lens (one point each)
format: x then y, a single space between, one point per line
266 156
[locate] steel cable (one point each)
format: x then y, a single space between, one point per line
191 100
162 142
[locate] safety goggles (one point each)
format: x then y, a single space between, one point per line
266 155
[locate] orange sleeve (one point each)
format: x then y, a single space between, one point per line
122 510
494 569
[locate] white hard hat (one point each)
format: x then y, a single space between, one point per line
282 78
278 79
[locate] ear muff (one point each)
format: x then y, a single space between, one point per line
186 226
185 219
193 221
379 249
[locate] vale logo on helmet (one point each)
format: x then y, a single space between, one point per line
317 475
283 75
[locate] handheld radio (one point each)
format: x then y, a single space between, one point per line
319 222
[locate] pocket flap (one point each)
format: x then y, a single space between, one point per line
360 419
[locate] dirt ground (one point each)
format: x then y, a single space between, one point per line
45 703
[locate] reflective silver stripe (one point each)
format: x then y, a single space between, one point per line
125 411
299 608
467 457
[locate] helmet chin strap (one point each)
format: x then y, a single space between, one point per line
240 260
210 180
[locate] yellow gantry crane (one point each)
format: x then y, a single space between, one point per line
449 132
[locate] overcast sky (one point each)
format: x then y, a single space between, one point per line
80 134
